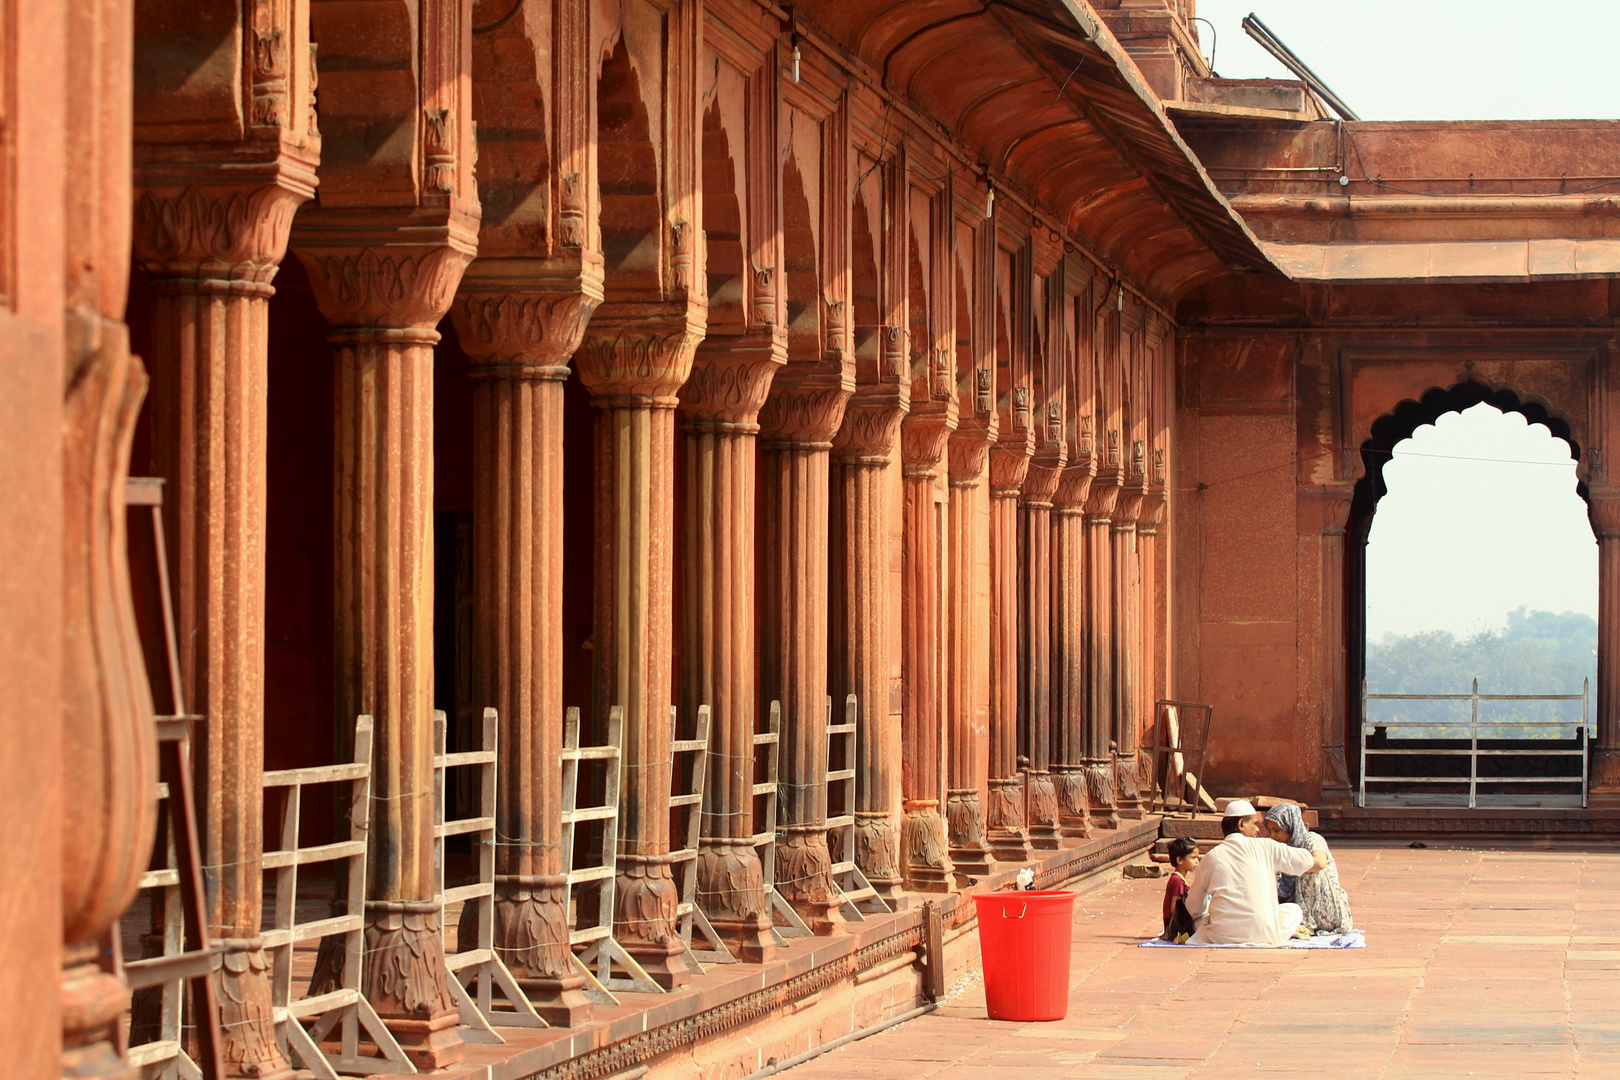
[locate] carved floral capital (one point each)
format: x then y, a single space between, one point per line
871 423
521 334
805 407
1009 462
637 363
730 378
225 233
406 286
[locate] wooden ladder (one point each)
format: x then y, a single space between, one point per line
475 975
786 923
860 899
176 887
696 753
343 1008
600 946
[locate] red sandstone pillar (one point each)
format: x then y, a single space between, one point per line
1069 649
634 367
720 405
803 412
1004 817
211 241
520 336
1335 771
1126 647
1100 644
104 730
964 813
860 660
1605 782
1035 639
383 289
1148 521
925 858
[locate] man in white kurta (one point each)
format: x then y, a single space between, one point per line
1233 893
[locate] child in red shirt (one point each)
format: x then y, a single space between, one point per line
1184 856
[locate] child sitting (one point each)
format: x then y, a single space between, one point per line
1178 923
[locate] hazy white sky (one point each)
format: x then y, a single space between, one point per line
1436 59
1457 544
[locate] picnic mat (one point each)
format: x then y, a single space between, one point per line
1355 939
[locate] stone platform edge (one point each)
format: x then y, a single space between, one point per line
727 999
1483 823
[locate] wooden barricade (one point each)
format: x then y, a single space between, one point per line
477 974
343 1009
860 899
767 751
695 751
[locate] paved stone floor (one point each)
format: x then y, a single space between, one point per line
1479 963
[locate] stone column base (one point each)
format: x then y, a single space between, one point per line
965 818
731 892
404 977
93 1004
1074 811
644 903
1041 806
531 938
1101 793
877 853
924 850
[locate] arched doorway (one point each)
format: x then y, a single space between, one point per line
1488 510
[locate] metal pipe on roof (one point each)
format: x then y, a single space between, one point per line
1270 42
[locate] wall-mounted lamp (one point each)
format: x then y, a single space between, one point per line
796 57
990 200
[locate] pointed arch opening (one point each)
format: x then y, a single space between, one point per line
628 175
1470 567
802 266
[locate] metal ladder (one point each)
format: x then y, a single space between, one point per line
475 975
860 899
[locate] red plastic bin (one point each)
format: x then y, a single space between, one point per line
1024 943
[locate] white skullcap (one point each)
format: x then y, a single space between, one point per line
1240 808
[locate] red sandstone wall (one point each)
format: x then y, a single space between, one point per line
1246 581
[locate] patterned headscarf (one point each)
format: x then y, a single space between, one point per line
1287 817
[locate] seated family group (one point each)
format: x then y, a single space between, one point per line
1253 889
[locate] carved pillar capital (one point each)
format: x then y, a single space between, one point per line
871 423
1101 501
1073 488
1009 462
1127 508
637 361
805 407
1042 479
1150 514
189 226
970 448
384 282
730 378
525 318
924 434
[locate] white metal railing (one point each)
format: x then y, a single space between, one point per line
1474 752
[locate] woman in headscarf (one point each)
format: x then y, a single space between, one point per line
1320 895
